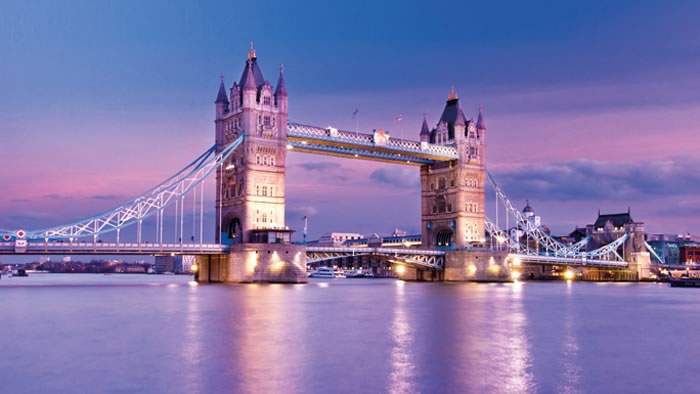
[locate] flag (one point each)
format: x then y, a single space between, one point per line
354 114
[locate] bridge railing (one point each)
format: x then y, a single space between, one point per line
367 140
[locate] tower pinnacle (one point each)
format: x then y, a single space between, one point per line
221 97
251 52
453 94
249 83
281 87
480 124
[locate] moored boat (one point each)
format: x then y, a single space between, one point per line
323 272
684 282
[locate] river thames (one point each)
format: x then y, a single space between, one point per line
137 333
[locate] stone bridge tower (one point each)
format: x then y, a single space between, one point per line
251 184
452 196
250 202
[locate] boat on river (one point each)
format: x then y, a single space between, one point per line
323 272
684 282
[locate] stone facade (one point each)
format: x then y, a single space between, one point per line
248 263
477 266
251 184
452 193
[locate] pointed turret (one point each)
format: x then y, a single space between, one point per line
249 77
221 97
461 120
480 124
222 103
424 131
281 86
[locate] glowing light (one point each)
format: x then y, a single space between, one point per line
304 142
230 167
569 275
400 283
289 146
517 262
194 267
471 270
193 283
500 239
400 269
515 275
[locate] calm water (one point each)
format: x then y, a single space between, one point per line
137 333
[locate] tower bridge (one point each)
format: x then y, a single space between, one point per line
253 243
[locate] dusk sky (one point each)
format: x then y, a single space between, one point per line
589 105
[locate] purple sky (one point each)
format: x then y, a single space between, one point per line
588 106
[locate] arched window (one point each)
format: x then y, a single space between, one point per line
441 204
257 159
441 183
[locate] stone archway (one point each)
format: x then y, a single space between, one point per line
444 238
232 233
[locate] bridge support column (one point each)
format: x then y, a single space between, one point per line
476 266
249 263
415 274
639 264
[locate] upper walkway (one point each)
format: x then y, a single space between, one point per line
378 146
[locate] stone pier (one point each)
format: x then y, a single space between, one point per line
249 263
476 266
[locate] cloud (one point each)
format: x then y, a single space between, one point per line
55 196
596 180
397 176
300 212
319 166
106 197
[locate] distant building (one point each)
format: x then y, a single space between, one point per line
335 239
609 227
669 251
175 264
518 232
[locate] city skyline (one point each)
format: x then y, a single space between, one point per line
604 126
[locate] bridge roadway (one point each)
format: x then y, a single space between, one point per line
104 248
428 258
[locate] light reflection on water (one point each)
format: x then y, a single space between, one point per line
131 333
402 367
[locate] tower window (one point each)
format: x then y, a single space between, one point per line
266 100
267 121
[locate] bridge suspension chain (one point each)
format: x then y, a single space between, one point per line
543 239
152 202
